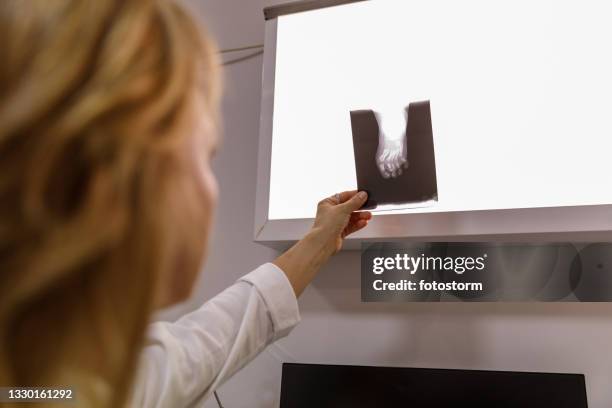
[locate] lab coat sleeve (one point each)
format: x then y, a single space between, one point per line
182 363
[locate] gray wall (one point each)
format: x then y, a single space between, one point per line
336 326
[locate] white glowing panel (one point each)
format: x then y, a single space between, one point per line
520 95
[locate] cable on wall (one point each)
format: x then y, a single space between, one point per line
217 398
248 47
246 57
257 47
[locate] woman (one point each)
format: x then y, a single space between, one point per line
108 121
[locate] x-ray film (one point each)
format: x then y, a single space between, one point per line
396 171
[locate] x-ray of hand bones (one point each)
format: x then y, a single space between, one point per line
391 156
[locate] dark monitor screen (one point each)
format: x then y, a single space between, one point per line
323 386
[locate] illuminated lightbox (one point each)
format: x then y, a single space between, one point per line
511 102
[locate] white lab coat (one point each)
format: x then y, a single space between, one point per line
183 362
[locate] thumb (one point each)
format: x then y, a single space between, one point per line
355 202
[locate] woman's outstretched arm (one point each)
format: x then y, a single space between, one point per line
183 362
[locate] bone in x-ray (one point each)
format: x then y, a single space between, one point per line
391 156
394 155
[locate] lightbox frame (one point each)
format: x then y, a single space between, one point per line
543 224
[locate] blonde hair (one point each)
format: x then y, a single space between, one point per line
96 192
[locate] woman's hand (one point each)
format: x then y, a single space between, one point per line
336 219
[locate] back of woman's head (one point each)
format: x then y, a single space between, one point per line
97 196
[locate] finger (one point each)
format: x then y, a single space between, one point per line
354 227
356 216
355 202
329 201
359 216
345 196
352 220
338 198
362 215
